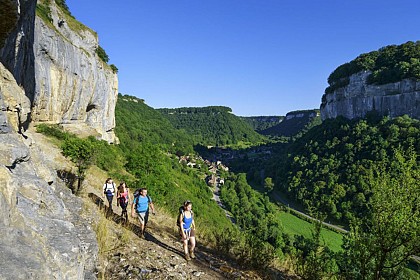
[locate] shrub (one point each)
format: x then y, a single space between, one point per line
114 68
102 54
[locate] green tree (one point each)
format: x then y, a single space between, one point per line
80 151
379 245
314 260
268 184
114 68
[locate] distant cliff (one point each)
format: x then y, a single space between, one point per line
293 123
358 98
386 81
260 123
53 57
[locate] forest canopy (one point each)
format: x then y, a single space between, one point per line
387 65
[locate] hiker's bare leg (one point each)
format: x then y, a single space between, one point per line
192 242
185 245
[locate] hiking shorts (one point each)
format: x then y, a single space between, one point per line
190 233
143 217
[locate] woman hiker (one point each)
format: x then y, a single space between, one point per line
123 198
187 230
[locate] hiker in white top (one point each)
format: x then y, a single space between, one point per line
109 191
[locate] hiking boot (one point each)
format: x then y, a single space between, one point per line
187 257
192 255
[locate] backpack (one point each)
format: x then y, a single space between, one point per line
107 191
181 214
123 201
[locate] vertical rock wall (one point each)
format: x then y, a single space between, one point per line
63 77
358 98
43 234
17 53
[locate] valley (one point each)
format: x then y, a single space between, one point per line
324 193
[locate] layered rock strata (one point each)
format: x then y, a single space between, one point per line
43 234
358 98
55 61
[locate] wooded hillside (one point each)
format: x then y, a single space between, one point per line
213 125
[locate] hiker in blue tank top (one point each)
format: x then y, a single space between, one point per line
140 206
187 229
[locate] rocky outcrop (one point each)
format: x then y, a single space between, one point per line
14 105
358 98
56 63
293 123
302 114
43 234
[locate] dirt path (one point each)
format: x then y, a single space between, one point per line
160 254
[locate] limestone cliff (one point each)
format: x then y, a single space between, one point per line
54 59
358 98
43 232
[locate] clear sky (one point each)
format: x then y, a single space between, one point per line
258 57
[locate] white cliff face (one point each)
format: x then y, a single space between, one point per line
74 87
358 98
40 222
65 80
45 233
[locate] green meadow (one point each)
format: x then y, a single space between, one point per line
295 226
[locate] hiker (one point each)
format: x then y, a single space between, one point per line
123 198
187 229
140 206
109 191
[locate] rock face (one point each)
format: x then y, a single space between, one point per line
14 105
43 234
65 80
358 98
302 114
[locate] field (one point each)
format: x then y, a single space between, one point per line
294 226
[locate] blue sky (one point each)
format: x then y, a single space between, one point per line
258 57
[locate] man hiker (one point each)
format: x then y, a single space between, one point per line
141 207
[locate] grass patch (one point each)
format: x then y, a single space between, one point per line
294 226
44 12
103 235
